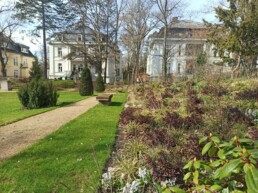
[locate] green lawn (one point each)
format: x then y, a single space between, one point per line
11 109
69 160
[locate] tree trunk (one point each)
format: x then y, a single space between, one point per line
165 54
44 42
3 65
237 66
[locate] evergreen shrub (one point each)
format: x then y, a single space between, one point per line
86 85
100 86
38 94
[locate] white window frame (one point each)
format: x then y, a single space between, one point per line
179 50
24 50
25 62
60 67
16 73
179 68
15 61
59 52
80 67
79 38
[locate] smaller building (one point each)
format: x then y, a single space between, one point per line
18 59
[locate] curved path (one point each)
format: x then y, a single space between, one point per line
19 135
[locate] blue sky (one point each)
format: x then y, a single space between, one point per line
203 9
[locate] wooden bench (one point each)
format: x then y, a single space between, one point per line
105 99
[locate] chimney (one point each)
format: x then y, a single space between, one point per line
175 20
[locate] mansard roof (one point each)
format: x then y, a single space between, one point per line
189 24
15 47
183 29
71 35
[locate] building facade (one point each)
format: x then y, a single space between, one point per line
68 53
18 59
185 41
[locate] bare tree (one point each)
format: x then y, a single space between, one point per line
7 27
167 9
119 6
112 10
91 27
138 22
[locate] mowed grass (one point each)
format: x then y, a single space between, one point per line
69 160
11 109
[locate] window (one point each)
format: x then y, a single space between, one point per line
179 68
15 61
24 50
15 73
80 38
59 52
77 52
60 67
25 62
80 67
60 37
168 69
179 50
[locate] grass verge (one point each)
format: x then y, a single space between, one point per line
69 160
11 109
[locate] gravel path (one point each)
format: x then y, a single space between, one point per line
19 135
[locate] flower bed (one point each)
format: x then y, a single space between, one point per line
159 133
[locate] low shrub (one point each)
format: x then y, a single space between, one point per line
248 95
195 105
151 101
235 115
145 119
232 168
194 121
64 84
214 90
173 120
127 115
168 93
24 95
166 166
37 94
161 137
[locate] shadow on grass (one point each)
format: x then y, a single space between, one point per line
116 104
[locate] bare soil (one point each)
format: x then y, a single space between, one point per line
17 136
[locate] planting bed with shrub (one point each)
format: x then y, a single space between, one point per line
187 137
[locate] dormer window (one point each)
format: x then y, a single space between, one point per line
24 50
60 37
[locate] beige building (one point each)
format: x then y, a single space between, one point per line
19 60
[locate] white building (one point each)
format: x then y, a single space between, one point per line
186 40
66 58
